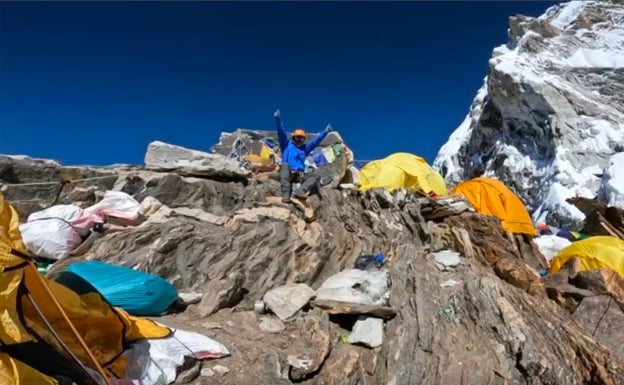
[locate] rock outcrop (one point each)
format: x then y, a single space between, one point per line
260 149
488 319
550 114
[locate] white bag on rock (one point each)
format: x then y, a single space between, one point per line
355 286
56 231
155 361
116 204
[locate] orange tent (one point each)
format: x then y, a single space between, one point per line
491 197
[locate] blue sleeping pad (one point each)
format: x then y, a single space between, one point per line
136 292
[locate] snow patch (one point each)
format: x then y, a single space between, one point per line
452 146
612 187
596 58
556 201
551 245
568 13
600 134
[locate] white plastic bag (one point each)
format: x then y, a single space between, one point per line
116 204
56 231
155 361
355 286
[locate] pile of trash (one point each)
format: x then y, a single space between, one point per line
55 232
101 304
361 293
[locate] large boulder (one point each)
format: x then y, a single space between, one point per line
168 157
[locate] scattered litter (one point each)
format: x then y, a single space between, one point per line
116 204
260 307
154 361
449 283
369 262
54 232
451 310
286 300
271 325
367 331
446 259
356 286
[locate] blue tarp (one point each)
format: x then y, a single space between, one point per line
136 292
318 158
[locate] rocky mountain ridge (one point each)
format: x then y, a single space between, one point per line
488 319
550 114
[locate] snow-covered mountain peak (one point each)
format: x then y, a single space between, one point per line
551 111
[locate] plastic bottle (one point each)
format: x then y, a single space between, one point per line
370 262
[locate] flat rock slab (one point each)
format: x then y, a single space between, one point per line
286 300
336 307
367 331
271 325
167 157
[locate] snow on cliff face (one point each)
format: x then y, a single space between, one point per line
551 111
612 187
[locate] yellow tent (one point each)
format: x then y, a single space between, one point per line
402 170
491 197
48 330
594 253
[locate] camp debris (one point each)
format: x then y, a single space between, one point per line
56 231
259 151
136 292
593 253
49 331
348 290
491 197
155 361
402 170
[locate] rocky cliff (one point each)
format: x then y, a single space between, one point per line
487 319
550 114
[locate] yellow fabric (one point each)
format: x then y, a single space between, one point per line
260 164
491 197
14 372
402 170
104 329
594 253
266 153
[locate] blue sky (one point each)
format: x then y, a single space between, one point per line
95 82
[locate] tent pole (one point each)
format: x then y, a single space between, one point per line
58 337
94 361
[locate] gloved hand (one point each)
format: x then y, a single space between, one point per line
277 114
329 128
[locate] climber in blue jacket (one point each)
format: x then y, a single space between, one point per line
294 152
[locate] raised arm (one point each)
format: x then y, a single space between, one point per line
316 141
281 133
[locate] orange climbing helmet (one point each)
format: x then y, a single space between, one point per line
299 132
